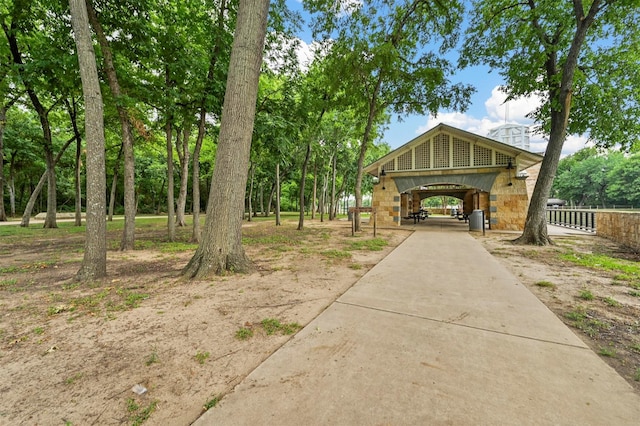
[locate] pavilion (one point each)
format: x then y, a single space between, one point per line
483 173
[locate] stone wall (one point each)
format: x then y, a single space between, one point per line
621 227
509 203
387 203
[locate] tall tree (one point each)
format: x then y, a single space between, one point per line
624 181
12 31
182 148
584 177
389 57
72 110
580 56
3 120
209 103
128 234
221 248
94 262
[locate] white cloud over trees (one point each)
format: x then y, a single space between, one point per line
497 113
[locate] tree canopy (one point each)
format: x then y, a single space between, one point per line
163 67
578 57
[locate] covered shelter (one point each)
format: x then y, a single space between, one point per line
483 173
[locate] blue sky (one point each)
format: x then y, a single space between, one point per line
486 111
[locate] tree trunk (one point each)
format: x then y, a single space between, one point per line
78 181
171 224
183 156
114 184
52 203
94 263
73 114
323 196
221 248
112 193
195 181
332 205
535 228
303 179
278 223
252 171
12 186
364 145
130 209
314 192
26 215
128 234
201 126
3 120
270 200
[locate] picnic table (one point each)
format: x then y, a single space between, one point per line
420 214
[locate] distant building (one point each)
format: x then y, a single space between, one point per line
512 134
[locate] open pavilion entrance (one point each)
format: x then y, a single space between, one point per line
483 173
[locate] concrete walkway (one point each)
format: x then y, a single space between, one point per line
438 333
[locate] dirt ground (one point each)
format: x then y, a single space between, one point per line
74 353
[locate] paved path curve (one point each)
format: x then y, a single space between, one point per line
438 333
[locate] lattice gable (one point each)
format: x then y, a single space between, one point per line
445 150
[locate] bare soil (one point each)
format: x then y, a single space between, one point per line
72 353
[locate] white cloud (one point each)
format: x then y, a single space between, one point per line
305 53
460 120
495 116
513 111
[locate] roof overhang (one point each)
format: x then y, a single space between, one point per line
483 181
523 158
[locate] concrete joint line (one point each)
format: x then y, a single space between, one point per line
460 325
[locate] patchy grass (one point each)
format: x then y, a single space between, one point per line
609 352
336 254
152 359
139 414
272 326
546 284
28 267
211 403
244 333
586 295
580 319
178 247
628 271
202 357
10 284
373 244
611 302
71 380
108 299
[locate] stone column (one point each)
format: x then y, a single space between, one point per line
508 203
387 203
